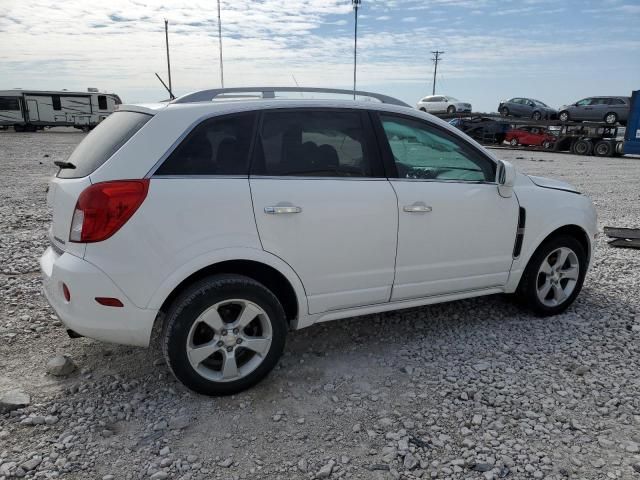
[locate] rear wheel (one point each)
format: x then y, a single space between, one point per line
224 334
611 118
547 144
451 109
603 148
583 147
564 116
514 142
554 276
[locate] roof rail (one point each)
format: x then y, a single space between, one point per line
270 92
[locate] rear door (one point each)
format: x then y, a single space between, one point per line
323 205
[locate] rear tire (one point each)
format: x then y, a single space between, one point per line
554 276
514 142
583 147
564 116
603 148
547 145
611 118
224 334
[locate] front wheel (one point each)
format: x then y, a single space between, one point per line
451 109
504 111
554 276
536 116
224 334
514 142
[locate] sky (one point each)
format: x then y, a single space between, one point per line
555 51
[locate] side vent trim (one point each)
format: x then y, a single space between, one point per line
522 220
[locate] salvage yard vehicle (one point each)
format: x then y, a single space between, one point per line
31 110
527 107
485 130
610 110
530 136
224 224
442 104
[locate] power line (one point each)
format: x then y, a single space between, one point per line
436 58
356 5
220 44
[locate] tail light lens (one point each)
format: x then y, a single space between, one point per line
103 208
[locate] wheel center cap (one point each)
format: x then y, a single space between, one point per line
229 339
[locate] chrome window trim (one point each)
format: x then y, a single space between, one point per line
441 180
195 176
291 177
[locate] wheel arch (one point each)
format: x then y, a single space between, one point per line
261 266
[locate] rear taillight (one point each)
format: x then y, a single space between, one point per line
102 209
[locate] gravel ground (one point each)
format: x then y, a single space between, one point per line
476 389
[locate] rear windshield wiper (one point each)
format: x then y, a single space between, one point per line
64 165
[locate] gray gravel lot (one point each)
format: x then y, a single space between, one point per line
476 389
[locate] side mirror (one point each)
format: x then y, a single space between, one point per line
506 177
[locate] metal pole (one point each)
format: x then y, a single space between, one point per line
435 69
356 4
166 36
220 44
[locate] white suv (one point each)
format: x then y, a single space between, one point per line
442 104
228 223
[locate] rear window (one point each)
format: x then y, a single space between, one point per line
102 142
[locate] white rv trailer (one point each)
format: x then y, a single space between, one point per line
31 110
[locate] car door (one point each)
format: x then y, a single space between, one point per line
323 205
455 232
582 109
437 105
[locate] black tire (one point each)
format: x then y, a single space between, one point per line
547 145
451 109
583 147
528 288
514 142
422 109
504 111
619 148
198 298
536 115
611 118
18 128
603 148
564 116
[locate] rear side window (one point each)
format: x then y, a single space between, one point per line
55 100
218 146
308 143
9 103
102 142
102 102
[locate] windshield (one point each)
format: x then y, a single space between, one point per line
539 103
105 140
453 99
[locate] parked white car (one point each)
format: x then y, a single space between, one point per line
442 104
226 224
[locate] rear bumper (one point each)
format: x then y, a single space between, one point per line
128 325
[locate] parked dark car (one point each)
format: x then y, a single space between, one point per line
530 135
482 129
526 107
598 109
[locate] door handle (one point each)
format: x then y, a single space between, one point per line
278 209
417 208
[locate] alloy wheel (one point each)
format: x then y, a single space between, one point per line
557 277
229 340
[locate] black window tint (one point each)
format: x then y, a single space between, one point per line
9 103
102 102
56 102
218 146
315 143
421 151
616 101
102 142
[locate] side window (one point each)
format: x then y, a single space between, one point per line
617 101
56 102
421 151
102 102
9 103
308 143
584 102
218 146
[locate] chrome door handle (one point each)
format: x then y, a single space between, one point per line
277 210
417 208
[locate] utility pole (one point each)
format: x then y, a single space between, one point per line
356 4
220 44
166 36
436 58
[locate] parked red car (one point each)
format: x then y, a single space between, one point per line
537 136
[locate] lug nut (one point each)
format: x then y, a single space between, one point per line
220 343
224 332
229 349
239 341
235 331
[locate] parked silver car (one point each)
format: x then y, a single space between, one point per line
526 107
598 109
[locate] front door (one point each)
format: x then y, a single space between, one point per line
32 109
456 233
322 204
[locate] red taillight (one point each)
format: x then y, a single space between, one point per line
66 292
102 209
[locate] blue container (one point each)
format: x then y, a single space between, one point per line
632 134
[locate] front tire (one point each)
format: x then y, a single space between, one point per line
451 109
514 142
536 115
583 147
504 111
554 275
224 334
